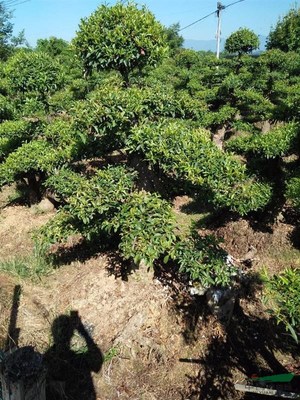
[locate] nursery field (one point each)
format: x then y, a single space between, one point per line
150 208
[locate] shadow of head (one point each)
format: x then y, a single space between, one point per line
62 330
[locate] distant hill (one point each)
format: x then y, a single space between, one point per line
210 45
204 45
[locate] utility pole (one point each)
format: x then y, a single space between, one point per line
220 7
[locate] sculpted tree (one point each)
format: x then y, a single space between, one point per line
121 37
33 72
285 35
243 41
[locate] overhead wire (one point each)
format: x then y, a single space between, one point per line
198 20
12 3
208 15
231 4
8 3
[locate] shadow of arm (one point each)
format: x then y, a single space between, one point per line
93 356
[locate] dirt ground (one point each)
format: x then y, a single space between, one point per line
154 343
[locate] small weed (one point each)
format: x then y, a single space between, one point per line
184 222
111 353
282 298
26 267
81 350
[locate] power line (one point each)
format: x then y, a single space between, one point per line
21 2
15 3
208 15
8 3
11 3
198 20
231 4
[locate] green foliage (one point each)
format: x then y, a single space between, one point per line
242 41
6 109
90 204
79 88
192 71
31 106
254 106
203 260
53 46
57 230
30 158
245 127
64 54
69 143
101 196
268 86
187 153
286 33
59 132
7 41
293 191
278 142
173 38
282 296
120 37
143 221
227 89
29 72
31 267
64 183
187 58
170 72
13 133
219 118
280 64
61 101
109 115
146 226
288 100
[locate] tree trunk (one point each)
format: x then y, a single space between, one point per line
125 75
218 137
34 187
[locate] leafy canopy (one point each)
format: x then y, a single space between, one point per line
34 72
174 39
120 37
242 41
285 35
276 143
7 40
187 153
53 46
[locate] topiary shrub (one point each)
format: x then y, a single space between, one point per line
188 153
120 37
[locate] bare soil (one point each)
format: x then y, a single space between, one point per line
17 225
156 343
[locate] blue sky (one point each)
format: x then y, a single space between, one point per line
60 18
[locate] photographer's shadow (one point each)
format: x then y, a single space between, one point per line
68 371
